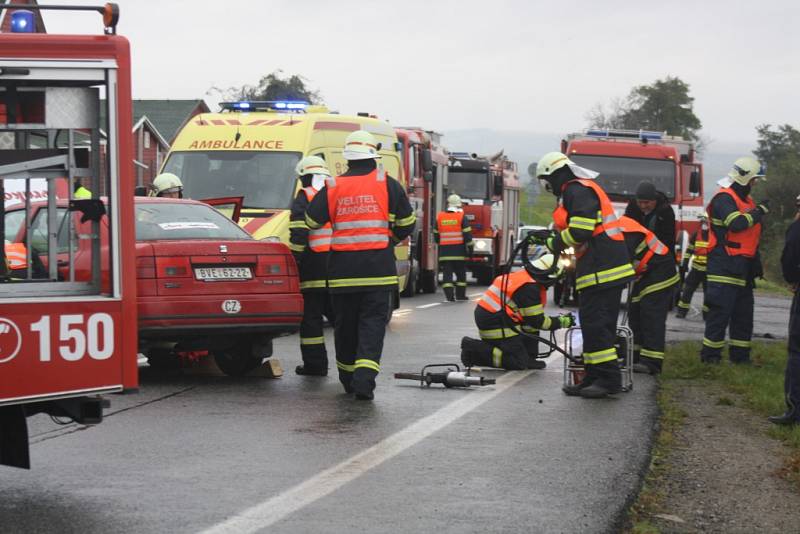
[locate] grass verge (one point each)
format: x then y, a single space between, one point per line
760 386
539 213
767 287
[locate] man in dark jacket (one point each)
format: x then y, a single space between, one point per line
651 209
790 262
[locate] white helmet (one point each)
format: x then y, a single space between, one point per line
745 169
166 182
541 269
552 161
311 165
361 145
454 201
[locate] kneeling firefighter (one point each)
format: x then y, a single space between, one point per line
523 294
586 221
651 295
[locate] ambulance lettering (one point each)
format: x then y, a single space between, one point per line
219 144
356 205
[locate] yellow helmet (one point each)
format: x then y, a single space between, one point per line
542 269
166 182
361 145
745 169
454 201
311 165
550 163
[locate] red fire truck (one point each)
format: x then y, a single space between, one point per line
489 188
424 163
626 157
64 340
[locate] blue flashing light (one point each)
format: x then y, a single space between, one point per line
23 21
597 133
650 135
241 105
290 104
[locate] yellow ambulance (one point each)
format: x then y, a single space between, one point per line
250 150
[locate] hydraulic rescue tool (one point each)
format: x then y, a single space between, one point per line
451 377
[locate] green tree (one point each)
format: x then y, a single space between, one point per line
275 86
664 105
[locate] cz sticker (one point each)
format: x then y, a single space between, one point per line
231 306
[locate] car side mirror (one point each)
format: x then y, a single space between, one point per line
427 161
694 183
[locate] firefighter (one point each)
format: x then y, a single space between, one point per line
586 221
370 213
733 263
651 208
79 192
454 237
790 263
167 185
651 295
697 255
310 249
503 343
17 262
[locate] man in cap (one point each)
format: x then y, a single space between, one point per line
586 221
370 213
454 237
310 249
734 263
651 209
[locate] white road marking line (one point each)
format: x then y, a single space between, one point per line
431 305
284 504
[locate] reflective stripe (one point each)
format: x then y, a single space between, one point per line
547 323
356 282
497 357
530 311
368 364
726 280
466 229
298 224
530 329
313 284
491 303
567 238
717 222
311 222
345 367
652 354
497 333
349 225
713 344
407 221
600 356
582 223
656 287
740 343
701 244
296 248
452 258
447 284
325 230
461 284
684 305
602 277
312 340
364 238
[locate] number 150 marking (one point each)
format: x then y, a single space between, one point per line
95 339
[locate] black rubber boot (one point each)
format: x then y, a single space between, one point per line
448 294
575 389
608 381
302 370
647 366
534 363
461 293
476 352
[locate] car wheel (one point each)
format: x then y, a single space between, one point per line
411 282
428 281
237 360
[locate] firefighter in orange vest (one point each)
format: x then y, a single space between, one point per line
733 263
454 237
503 343
17 262
586 221
310 249
651 295
697 255
370 213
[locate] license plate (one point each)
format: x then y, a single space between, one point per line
223 273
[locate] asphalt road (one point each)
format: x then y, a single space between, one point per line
295 454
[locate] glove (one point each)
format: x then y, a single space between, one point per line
566 321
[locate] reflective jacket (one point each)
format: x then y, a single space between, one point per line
733 256
310 247
453 234
744 242
647 247
654 265
586 221
16 256
698 249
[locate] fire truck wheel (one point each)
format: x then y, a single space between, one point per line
411 282
428 281
237 360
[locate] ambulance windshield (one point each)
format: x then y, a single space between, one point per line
468 185
620 176
264 179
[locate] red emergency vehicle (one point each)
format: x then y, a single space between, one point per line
626 157
489 188
424 163
66 341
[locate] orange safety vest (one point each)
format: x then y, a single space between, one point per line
16 256
448 223
319 240
737 243
492 299
608 221
359 211
654 246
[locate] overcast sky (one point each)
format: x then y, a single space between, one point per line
445 65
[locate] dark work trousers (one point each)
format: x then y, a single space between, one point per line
359 329
648 320
693 279
730 307
791 383
598 312
459 268
312 338
511 353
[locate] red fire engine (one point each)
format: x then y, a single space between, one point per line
424 163
63 339
489 188
626 157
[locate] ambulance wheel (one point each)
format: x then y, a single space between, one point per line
428 281
237 360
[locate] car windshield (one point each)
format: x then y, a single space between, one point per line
264 179
468 185
181 220
620 176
